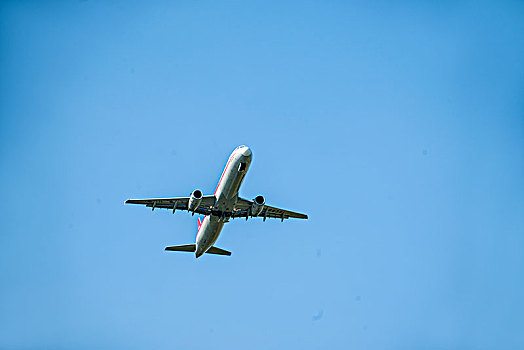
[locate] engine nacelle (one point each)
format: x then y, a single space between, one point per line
194 200
258 205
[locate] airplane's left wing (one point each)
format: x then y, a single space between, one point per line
242 210
176 203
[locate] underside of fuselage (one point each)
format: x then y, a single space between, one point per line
226 196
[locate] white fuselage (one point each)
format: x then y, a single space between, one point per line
226 196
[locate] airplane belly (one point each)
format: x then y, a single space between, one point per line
226 198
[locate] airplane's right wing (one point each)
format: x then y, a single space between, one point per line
242 210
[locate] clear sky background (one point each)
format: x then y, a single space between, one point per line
398 126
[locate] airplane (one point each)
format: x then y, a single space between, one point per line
219 208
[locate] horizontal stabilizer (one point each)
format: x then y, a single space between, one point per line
182 248
218 251
191 248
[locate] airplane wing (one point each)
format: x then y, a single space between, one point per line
242 210
176 203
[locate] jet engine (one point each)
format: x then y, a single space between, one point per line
194 200
258 205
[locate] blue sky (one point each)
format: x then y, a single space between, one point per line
398 126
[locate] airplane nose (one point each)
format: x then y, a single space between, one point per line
246 151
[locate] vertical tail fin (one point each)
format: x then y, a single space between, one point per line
199 223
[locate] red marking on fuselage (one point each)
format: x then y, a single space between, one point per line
225 169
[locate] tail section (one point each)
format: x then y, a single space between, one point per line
199 223
192 248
